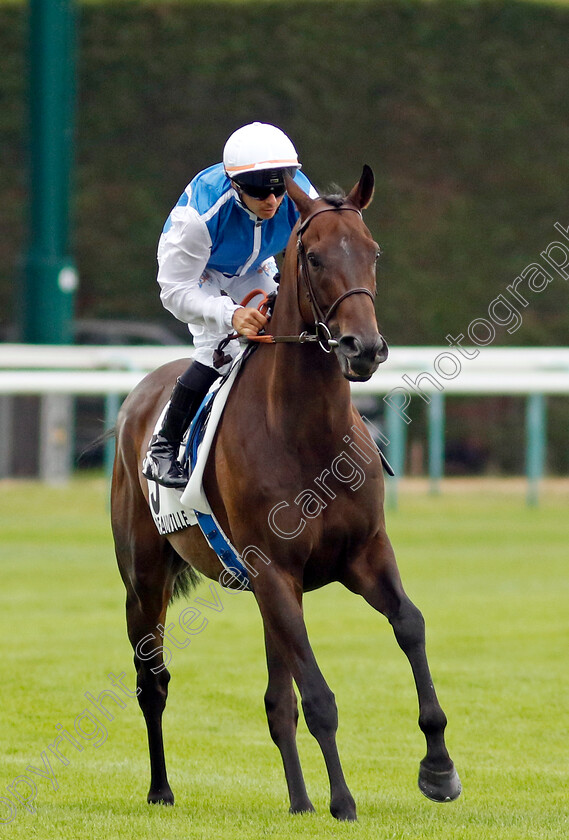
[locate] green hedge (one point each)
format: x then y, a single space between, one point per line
461 109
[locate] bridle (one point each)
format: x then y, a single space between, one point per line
321 319
322 333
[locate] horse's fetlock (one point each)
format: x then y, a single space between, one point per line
432 722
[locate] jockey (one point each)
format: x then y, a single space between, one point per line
218 244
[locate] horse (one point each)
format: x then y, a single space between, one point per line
288 420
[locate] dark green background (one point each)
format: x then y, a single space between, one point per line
462 110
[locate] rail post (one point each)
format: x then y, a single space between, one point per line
397 434
436 421
535 445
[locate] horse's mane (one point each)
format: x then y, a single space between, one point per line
336 198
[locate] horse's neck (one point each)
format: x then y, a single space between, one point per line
305 387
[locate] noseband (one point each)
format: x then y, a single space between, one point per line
321 319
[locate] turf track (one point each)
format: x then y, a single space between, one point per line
491 578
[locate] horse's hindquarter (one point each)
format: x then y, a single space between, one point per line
295 491
130 509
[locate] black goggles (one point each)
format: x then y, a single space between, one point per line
261 193
260 185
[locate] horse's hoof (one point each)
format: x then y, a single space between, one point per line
302 808
439 786
160 797
344 809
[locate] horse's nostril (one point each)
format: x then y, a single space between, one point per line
382 350
351 346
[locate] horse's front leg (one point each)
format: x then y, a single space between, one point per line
375 576
282 716
279 599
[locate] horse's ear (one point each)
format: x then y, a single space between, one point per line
362 193
304 203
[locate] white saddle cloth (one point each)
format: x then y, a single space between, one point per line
172 509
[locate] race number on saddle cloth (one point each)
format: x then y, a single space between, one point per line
172 509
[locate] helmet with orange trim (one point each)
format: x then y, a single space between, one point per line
257 157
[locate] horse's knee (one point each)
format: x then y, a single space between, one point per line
408 625
320 712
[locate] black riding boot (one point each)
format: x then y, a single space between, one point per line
161 463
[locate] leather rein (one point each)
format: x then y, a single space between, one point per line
322 333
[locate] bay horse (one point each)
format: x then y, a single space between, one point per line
288 419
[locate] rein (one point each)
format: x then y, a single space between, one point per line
322 333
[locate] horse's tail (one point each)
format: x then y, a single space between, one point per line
95 444
185 582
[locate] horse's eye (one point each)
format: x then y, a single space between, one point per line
377 254
314 261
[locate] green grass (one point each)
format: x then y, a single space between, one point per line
491 578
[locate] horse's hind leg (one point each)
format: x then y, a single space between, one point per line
148 573
376 578
146 612
282 715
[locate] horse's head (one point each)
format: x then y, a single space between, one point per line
337 256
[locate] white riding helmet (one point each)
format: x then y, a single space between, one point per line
257 147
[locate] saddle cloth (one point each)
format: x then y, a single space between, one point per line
172 509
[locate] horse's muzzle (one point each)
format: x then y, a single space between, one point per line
359 359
